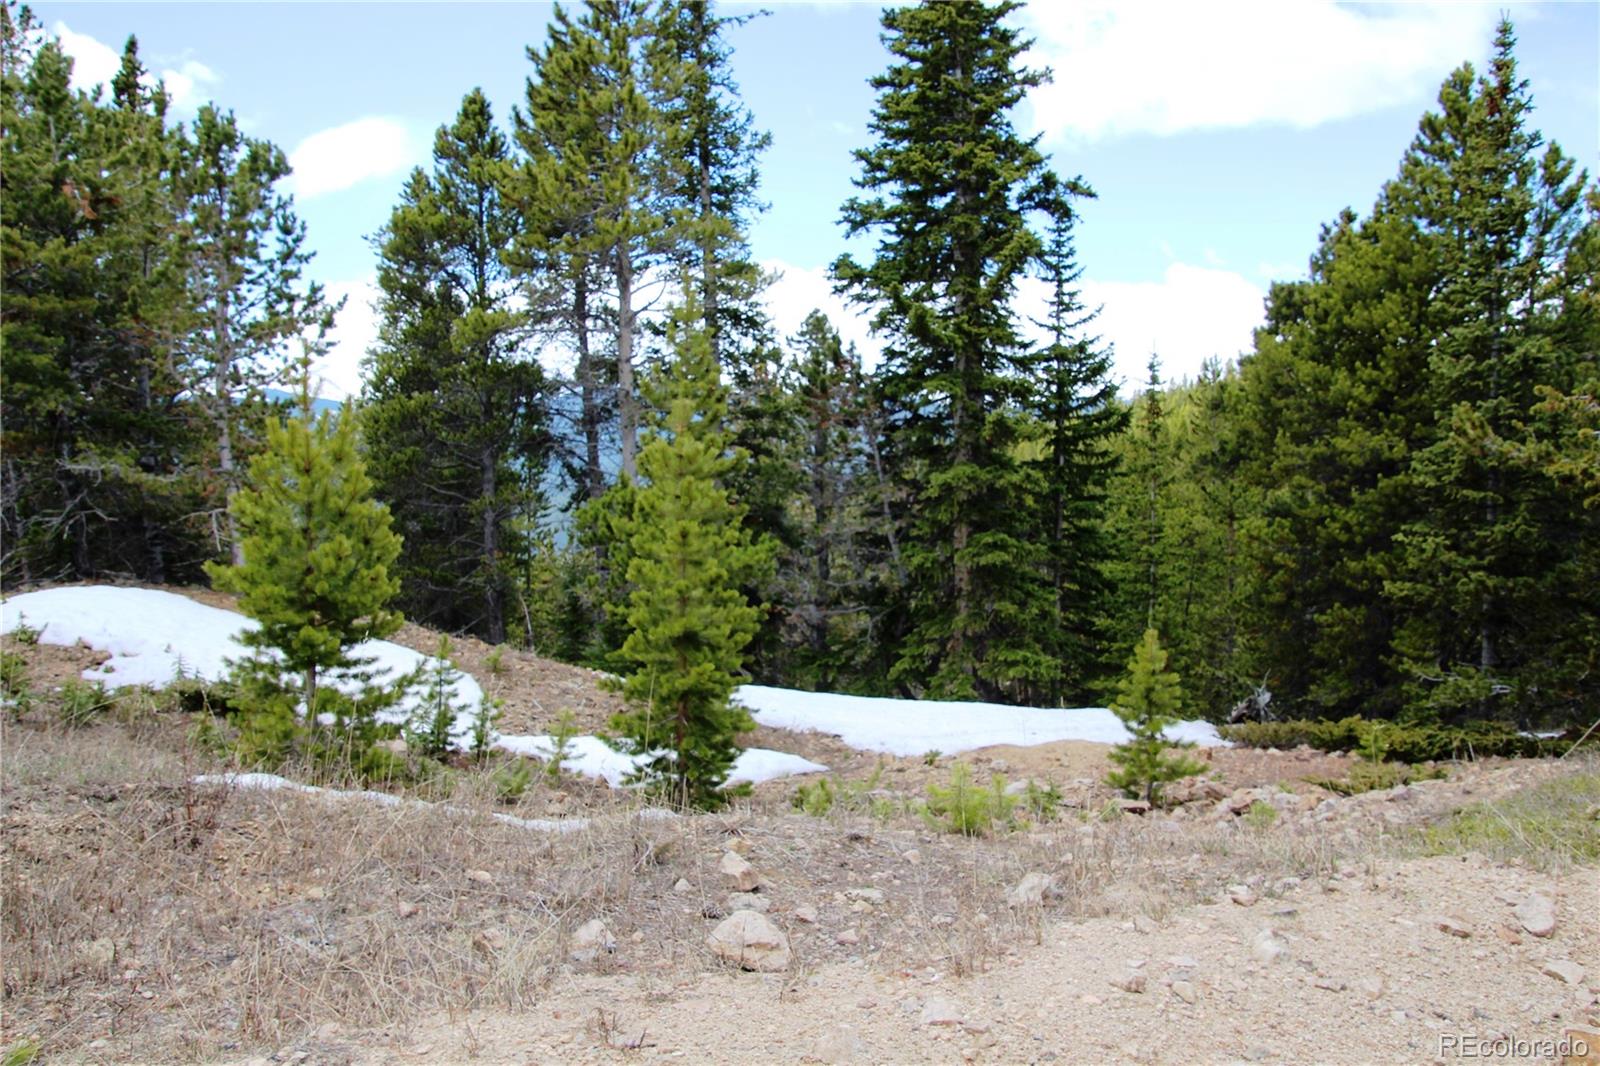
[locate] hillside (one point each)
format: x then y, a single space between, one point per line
153 914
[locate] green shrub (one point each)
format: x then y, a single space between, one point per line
561 737
1551 824
1373 776
969 809
15 691
814 797
23 633
80 703
22 1053
818 798
1261 815
511 780
1043 804
483 720
428 731
495 660
1398 741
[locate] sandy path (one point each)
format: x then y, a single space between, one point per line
1056 1002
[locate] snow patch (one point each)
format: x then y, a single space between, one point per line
593 757
152 636
913 727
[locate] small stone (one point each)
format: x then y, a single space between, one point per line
1537 914
839 1044
490 941
848 937
1243 895
870 896
1144 924
1089 999
1372 986
1453 925
1268 949
405 909
1130 982
1183 962
940 1011
1508 934
1329 984
1563 970
683 885
749 939
747 901
1031 890
1185 991
914 857
806 913
1133 806
482 877
591 940
738 872
316 892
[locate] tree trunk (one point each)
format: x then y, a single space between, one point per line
594 477
627 404
493 596
223 400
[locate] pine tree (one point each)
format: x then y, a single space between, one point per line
315 576
246 256
950 186
689 621
1148 701
456 421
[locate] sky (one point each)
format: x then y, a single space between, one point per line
1218 137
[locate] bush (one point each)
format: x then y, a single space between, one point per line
1400 741
965 808
428 731
512 779
80 703
14 689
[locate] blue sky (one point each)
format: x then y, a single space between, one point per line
1219 136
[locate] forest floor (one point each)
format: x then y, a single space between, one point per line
148 918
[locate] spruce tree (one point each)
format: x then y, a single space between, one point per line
1078 408
1498 211
949 186
1148 701
689 621
315 575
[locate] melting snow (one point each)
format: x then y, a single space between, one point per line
912 727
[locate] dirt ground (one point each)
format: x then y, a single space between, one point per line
150 919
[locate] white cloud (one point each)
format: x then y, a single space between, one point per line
96 63
354 331
800 290
1165 68
1191 314
338 158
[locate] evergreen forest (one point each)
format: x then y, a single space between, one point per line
1389 507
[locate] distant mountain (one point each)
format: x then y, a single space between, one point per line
318 405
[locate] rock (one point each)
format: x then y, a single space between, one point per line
1508 934
940 1011
838 1045
747 901
1089 999
482 877
914 857
1143 923
806 913
1031 890
1563 970
491 941
1537 914
1130 982
873 896
1183 962
848 937
591 940
1581 1047
1133 806
1243 895
738 872
405 909
1268 949
1185 991
316 892
1372 986
1329 984
749 939
1453 925
98 954
683 885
